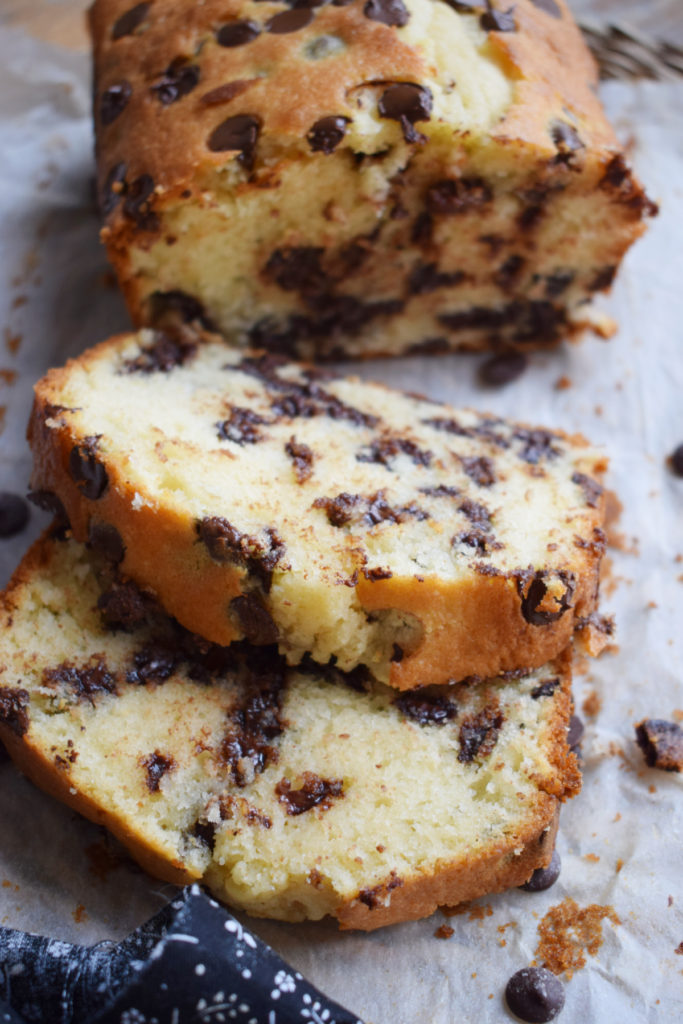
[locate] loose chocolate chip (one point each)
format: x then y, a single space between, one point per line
113 188
405 100
543 878
451 196
14 513
426 709
114 101
179 79
289 21
327 133
13 705
503 368
549 6
662 744
237 33
239 133
106 539
532 590
566 140
574 732
498 21
388 12
136 205
126 24
87 472
676 460
256 621
534 994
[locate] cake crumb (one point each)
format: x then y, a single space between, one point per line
652 788
8 376
617 816
13 341
79 914
679 949
592 704
591 857
562 383
444 931
568 932
619 865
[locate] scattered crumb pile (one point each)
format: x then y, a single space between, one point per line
568 932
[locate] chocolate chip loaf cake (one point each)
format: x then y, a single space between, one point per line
337 518
360 177
293 793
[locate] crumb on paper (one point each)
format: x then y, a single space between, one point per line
592 858
562 383
475 913
619 865
679 949
13 341
8 376
592 704
444 931
617 816
568 932
79 914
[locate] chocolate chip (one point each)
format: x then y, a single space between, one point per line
451 196
574 732
427 709
179 79
503 368
13 713
534 994
536 445
289 21
566 141
113 188
424 277
240 133
592 490
225 93
676 460
165 353
154 663
467 6
480 469
302 457
385 449
545 689
256 621
157 765
49 502
388 12
83 681
549 6
296 268
136 205
506 275
479 733
498 21
241 426
14 514
126 24
327 133
532 590
107 540
661 743
557 283
313 792
114 101
378 895
339 510
225 543
87 472
603 279
543 878
405 100
124 606
237 33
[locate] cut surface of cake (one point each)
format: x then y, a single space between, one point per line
292 793
372 177
335 517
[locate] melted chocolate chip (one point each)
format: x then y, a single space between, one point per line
296 268
545 689
340 509
205 832
377 896
13 713
87 472
532 590
566 140
302 457
543 878
114 101
503 368
377 573
225 543
388 12
289 21
425 277
165 353
327 133
85 681
421 232
154 663
549 6
534 994
179 79
126 24
676 461
557 283
238 133
477 514
574 732
225 93
498 21
451 196
113 188
247 747
536 445
106 539
479 733
14 514
384 450
124 606
136 205
592 490
661 743
427 709
442 491
313 792
157 765
255 619
237 33
241 427
406 101
480 469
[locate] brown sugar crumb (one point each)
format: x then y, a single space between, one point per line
592 704
79 914
619 865
592 858
562 383
568 932
504 927
444 931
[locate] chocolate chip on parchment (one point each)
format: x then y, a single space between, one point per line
503 368
87 472
237 33
327 133
676 460
535 995
114 101
574 732
549 6
388 12
498 21
543 878
661 743
239 133
14 513
131 19
179 79
289 21
255 619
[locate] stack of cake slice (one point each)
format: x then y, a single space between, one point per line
299 636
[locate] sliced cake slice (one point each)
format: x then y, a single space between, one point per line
337 518
292 793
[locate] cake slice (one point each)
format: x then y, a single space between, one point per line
362 177
292 793
335 517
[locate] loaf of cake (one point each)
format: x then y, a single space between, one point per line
360 177
335 517
292 793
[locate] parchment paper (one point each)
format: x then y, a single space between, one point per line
62 876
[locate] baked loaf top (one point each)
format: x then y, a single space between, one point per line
259 498
293 794
195 94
